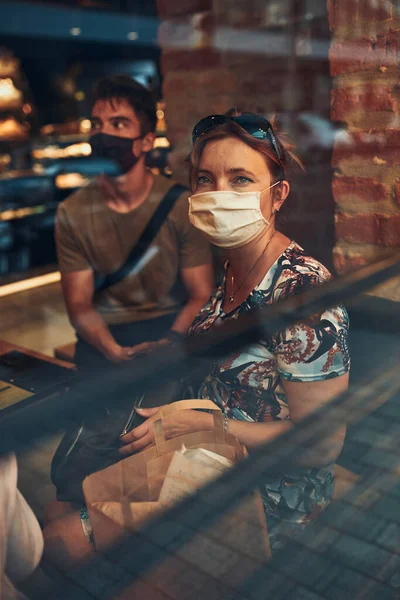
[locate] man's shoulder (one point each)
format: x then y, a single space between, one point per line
74 203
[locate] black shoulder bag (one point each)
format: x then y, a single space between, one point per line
92 446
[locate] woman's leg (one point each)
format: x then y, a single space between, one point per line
65 544
56 510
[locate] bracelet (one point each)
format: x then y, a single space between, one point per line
174 337
225 423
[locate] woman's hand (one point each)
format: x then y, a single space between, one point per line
179 423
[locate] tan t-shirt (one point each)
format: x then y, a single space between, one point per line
90 235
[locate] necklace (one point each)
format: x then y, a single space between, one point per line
232 296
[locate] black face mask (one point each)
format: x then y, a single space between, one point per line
115 148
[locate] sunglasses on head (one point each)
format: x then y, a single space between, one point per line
257 126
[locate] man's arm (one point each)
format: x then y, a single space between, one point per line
198 282
78 288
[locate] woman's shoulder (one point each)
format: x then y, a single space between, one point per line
294 259
297 272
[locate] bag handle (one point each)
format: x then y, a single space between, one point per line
188 405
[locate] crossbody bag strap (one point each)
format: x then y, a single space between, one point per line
152 228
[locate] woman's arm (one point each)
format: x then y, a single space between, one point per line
303 399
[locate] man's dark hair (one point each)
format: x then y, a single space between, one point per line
123 87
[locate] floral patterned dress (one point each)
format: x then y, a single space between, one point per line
247 385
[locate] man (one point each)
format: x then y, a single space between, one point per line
98 226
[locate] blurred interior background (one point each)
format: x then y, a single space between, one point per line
52 53
327 70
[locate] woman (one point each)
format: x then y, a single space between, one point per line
237 173
238 178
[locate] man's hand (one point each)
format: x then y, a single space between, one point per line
118 354
179 423
146 347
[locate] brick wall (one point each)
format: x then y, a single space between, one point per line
365 65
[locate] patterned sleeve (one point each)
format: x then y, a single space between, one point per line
315 349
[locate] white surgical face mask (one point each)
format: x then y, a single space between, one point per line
228 219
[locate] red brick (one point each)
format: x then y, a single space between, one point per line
397 190
348 12
174 8
366 145
393 45
357 229
387 48
359 188
390 231
182 60
353 55
375 10
370 98
345 263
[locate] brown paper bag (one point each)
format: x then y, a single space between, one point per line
124 497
